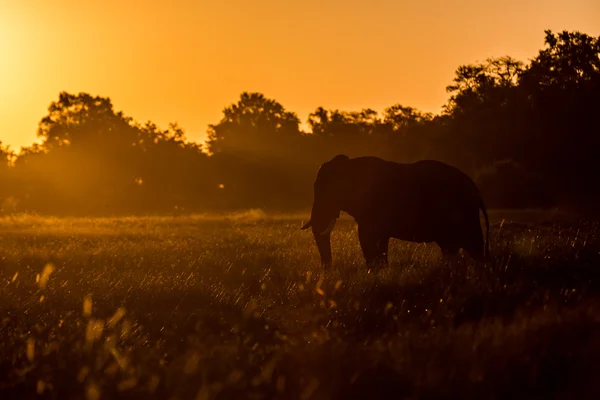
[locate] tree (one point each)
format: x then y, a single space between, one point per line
477 83
570 60
94 159
255 124
486 113
563 88
85 120
354 133
402 117
515 126
172 172
258 152
348 124
406 133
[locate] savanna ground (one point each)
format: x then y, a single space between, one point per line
205 308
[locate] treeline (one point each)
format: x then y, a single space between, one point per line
528 133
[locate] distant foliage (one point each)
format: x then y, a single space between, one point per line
508 184
529 133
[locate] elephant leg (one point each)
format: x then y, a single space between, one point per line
474 243
449 249
382 250
368 244
373 245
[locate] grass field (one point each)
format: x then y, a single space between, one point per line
238 307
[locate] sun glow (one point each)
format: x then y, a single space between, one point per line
185 61
19 112
8 56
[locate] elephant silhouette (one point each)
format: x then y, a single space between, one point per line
425 201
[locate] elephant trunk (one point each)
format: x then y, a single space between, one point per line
322 224
324 245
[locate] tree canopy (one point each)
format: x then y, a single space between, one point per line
528 132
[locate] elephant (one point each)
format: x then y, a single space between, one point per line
425 201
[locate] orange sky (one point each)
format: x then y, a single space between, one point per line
185 61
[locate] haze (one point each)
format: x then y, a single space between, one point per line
185 61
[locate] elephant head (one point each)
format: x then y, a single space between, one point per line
327 204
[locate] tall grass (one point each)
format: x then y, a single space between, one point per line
208 307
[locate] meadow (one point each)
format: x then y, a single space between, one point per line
213 307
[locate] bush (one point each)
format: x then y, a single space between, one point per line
507 184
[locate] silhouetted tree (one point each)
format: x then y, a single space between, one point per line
257 151
563 88
95 160
485 110
528 133
350 132
255 124
408 133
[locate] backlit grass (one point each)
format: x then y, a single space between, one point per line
209 307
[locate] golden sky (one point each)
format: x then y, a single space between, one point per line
185 61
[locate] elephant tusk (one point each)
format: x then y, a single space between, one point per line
307 225
329 228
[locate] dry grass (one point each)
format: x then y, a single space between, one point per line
206 307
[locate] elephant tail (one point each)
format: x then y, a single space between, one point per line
487 226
